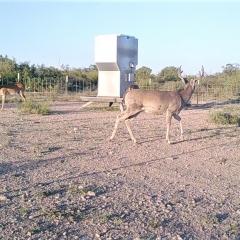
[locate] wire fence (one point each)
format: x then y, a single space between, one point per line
59 85
204 92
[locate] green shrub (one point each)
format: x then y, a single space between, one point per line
225 116
31 107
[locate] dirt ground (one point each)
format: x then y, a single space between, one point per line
61 177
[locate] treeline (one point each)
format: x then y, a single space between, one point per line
230 74
218 86
77 79
35 76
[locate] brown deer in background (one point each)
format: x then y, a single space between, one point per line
12 88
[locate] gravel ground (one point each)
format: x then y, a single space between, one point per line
61 177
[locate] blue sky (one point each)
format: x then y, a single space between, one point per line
170 33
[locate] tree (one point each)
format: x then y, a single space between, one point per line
7 69
143 75
231 69
167 74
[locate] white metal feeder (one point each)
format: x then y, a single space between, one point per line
116 57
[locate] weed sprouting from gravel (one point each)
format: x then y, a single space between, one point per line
215 132
44 194
59 213
77 190
211 220
153 224
40 150
24 211
222 161
114 218
9 132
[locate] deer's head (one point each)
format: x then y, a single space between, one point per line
192 81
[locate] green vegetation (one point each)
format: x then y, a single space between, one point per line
54 82
48 79
43 194
225 115
32 107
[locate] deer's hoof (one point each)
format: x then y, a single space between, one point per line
134 140
168 141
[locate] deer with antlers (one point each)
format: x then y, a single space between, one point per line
12 88
158 102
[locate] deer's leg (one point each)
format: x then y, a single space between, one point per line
126 115
22 95
168 121
180 123
127 122
3 101
118 120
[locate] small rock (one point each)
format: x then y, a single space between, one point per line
169 207
57 196
3 198
97 235
91 194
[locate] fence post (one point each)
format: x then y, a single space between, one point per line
66 84
197 91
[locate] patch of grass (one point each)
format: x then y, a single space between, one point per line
114 218
6 143
51 149
63 214
24 211
9 132
222 161
32 230
32 107
76 190
225 116
153 224
229 135
40 150
211 220
233 227
215 132
89 191
44 194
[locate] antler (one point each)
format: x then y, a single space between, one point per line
201 75
184 80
